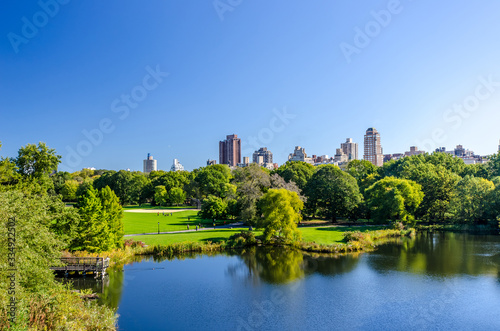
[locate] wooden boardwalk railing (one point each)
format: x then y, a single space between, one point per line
83 265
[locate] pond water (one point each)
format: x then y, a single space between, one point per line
437 281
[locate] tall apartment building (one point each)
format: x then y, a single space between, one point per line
176 166
350 149
230 151
267 156
149 164
373 147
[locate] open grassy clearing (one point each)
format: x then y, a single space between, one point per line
148 222
200 236
331 234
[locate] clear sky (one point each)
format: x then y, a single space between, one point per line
172 78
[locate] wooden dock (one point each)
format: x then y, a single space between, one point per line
83 265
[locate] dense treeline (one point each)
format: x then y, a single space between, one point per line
434 188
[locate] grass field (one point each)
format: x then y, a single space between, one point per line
200 236
331 234
148 222
135 223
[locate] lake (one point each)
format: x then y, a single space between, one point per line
436 281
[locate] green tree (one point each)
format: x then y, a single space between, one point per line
437 184
493 165
112 215
213 180
334 192
394 199
8 172
161 195
251 183
477 170
93 233
59 178
297 172
364 172
36 161
213 207
177 196
69 190
281 213
471 200
127 185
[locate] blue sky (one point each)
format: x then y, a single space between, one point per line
277 73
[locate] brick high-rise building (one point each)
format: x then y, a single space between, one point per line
373 147
230 151
350 149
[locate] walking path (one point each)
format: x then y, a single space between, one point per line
157 210
238 225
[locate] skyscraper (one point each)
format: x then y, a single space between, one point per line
230 151
373 147
350 149
149 164
267 156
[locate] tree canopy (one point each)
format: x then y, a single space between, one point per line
332 192
281 213
394 199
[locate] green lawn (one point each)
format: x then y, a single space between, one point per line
148 206
201 236
148 222
331 234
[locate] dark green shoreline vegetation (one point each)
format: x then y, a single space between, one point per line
54 214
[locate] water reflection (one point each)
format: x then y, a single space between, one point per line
435 254
330 265
441 254
278 265
275 265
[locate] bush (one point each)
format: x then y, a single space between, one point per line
242 239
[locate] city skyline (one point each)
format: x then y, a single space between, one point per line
189 76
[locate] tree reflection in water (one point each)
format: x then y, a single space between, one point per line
441 254
279 265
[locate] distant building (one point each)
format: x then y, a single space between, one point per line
149 164
350 149
373 147
414 151
262 156
176 166
340 156
230 151
246 160
395 156
299 154
211 162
